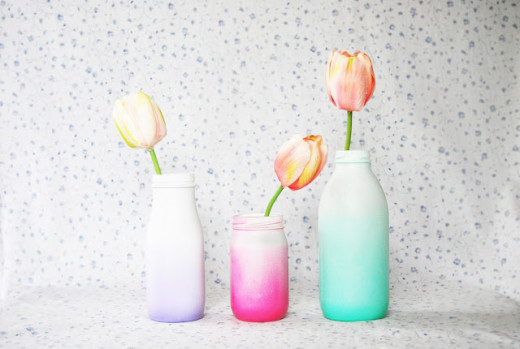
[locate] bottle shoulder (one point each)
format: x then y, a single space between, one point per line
355 190
353 177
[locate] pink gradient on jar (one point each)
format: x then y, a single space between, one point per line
259 269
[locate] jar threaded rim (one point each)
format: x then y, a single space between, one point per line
256 222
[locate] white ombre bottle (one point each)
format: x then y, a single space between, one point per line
174 251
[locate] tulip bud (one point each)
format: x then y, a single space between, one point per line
350 80
300 161
139 120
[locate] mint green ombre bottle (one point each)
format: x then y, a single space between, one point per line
353 238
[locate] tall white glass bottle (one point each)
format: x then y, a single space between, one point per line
175 289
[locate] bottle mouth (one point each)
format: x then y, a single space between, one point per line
257 222
173 180
352 156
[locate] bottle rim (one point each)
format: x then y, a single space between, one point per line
173 180
257 222
352 156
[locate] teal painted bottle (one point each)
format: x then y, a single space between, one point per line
353 242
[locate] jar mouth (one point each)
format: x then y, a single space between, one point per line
352 156
173 180
257 221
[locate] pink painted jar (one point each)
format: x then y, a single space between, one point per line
259 270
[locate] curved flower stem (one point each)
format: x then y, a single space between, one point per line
275 196
349 130
155 163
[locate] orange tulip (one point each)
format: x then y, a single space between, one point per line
350 80
300 161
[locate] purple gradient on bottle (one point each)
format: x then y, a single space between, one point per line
175 290
175 287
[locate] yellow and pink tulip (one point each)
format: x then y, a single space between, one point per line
299 161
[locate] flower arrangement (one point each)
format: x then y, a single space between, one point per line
353 217
140 122
298 163
350 83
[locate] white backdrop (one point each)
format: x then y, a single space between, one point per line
235 80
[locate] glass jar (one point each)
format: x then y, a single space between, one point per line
353 241
174 252
259 268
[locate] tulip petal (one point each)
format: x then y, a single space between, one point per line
309 170
159 120
371 81
334 71
328 74
352 87
124 125
130 120
124 138
341 85
315 164
291 160
147 123
131 117
324 150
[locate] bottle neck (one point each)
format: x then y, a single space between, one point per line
365 165
173 188
352 159
173 180
352 156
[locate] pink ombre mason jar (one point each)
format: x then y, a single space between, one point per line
259 270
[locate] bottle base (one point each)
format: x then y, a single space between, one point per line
353 315
176 318
259 315
258 318
353 318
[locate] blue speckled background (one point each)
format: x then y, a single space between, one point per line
235 79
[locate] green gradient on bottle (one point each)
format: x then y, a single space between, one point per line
354 268
353 238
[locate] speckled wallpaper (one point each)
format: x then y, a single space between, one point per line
235 80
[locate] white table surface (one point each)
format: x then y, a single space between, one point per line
431 316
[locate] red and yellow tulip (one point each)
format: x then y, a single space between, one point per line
350 80
350 83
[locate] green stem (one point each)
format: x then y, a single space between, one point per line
155 163
349 130
275 196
